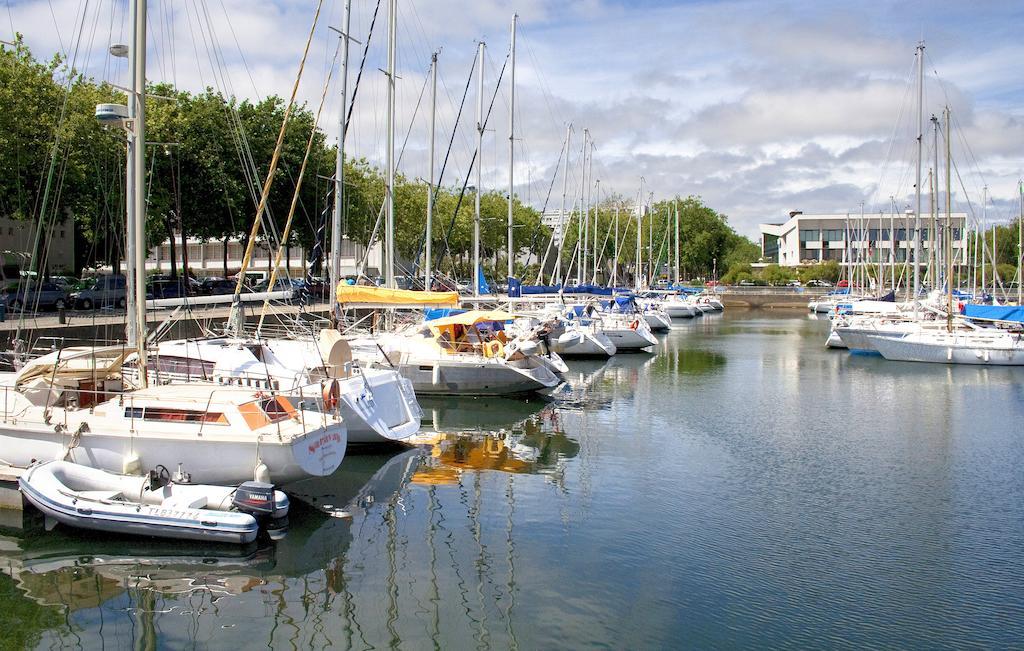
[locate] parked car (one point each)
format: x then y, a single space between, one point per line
105 291
818 283
216 286
280 285
793 283
43 296
843 283
168 287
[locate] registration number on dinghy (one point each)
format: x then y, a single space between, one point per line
164 512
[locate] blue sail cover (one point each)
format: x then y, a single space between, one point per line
995 312
683 289
539 289
433 313
484 287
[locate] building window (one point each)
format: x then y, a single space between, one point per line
833 235
810 235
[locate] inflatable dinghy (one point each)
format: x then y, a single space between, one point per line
89 498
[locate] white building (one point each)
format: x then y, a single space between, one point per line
208 258
553 220
878 238
18 237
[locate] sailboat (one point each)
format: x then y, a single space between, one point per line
377 404
467 354
75 403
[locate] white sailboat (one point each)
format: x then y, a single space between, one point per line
378 405
213 434
983 346
71 404
466 354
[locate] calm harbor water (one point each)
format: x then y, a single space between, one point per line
741 487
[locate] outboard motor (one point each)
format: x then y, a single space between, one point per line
255 498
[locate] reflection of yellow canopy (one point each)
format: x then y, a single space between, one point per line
381 297
470 317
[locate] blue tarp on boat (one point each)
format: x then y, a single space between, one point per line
539 289
440 313
995 312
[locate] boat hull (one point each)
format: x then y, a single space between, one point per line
207 460
628 339
908 350
681 311
583 344
441 377
657 322
70 508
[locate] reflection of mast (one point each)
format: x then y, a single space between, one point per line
435 593
147 628
392 583
510 586
481 561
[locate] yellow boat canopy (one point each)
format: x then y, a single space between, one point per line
470 317
382 297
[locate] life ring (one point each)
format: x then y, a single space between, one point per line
493 348
635 324
331 395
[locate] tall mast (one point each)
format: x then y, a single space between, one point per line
917 186
615 248
676 275
136 289
339 163
984 236
1020 243
597 191
650 243
511 141
561 211
389 236
892 243
582 226
639 234
427 270
949 226
934 235
479 168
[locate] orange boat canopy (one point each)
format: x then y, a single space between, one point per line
364 296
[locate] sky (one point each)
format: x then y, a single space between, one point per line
758 107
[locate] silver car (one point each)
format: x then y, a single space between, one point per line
105 292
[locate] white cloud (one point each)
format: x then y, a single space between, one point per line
758 107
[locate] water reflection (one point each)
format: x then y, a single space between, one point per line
383 538
441 414
712 493
533 447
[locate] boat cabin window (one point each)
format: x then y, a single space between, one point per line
171 414
188 366
267 410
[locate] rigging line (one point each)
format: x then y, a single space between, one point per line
540 225
274 160
238 46
908 88
314 130
398 162
359 74
476 153
44 209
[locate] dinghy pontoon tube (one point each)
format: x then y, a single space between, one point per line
89 498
